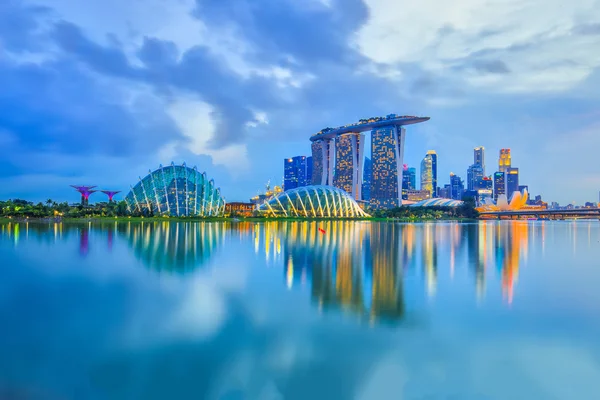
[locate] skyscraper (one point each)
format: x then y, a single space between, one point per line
479 157
504 162
294 172
434 171
429 173
474 175
366 185
309 169
323 154
512 182
387 151
409 178
499 184
457 187
349 154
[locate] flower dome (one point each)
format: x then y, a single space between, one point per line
176 190
313 201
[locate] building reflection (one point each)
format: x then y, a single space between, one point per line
349 265
177 247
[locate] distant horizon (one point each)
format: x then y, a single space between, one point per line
100 95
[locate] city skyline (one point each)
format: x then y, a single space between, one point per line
91 95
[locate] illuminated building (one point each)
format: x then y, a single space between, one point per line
176 190
512 181
408 181
309 169
239 208
517 202
504 162
323 155
295 171
475 174
445 192
366 185
85 191
499 184
457 187
313 201
110 194
417 195
349 154
387 151
479 158
429 173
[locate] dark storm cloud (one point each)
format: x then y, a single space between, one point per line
310 34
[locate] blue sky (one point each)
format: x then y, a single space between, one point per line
99 92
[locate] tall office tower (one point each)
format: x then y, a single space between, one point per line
349 155
323 155
504 162
387 152
434 172
309 168
479 157
474 175
457 187
512 182
427 180
366 185
409 178
499 184
294 172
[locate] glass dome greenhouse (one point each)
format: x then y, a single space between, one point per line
176 190
313 201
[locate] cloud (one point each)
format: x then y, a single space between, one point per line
438 36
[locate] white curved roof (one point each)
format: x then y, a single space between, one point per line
317 201
438 202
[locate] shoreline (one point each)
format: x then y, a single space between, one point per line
220 219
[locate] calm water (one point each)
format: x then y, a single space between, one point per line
331 310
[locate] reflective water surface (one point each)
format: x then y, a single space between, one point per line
293 310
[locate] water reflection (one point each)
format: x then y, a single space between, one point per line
345 268
359 266
172 247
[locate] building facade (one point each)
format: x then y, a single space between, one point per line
499 184
457 187
475 173
239 208
387 151
295 171
366 185
323 156
349 155
427 181
479 157
504 162
512 182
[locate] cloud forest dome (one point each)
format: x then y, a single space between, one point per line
313 201
176 190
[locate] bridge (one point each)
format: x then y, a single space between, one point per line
588 213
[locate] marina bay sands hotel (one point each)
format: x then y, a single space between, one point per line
338 156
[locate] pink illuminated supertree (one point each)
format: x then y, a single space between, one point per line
85 193
110 194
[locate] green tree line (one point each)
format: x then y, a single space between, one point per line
51 209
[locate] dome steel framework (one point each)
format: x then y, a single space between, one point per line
176 190
317 201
